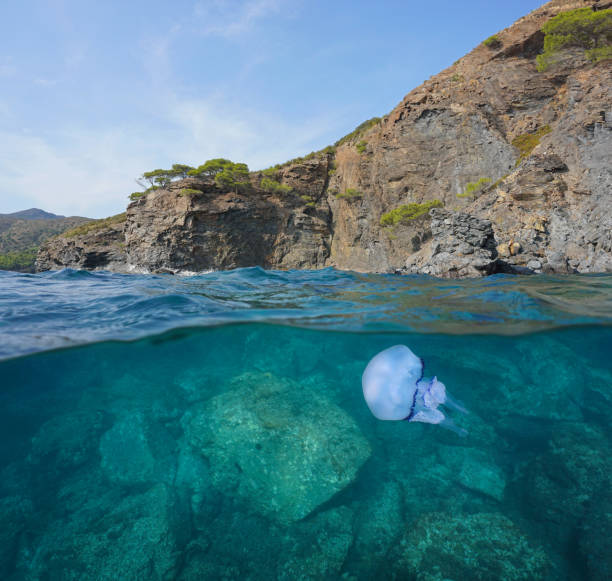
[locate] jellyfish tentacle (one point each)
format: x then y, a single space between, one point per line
455 404
450 425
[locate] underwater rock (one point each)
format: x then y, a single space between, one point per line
378 522
563 481
69 440
479 547
474 469
279 447
194 482
138 539
135 452
295 356
596 537
319 547
14 514
520 384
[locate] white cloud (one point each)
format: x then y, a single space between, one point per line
232 18
89 177
91 173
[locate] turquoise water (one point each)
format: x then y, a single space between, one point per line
213 427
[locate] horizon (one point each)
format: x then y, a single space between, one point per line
96 95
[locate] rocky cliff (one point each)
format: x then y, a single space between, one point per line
517 154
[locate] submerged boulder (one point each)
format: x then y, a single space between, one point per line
138 538
596 537
483 546
318 547
568 478
136 451
280 448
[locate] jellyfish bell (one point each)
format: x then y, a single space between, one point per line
394 389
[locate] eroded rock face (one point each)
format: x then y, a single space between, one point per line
281 449
218 230
548 204
461 246
102 249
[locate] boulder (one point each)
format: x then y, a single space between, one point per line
461 246
280 448
483 546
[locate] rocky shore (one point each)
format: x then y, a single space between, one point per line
517 156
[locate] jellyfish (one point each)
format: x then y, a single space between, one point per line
394 389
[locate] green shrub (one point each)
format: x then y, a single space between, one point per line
211 168
358 131
189 192
136 195
457 78
403 214
234 176
526 142
309 201
349 193
499 181
582 28
361 146
20 260
599 54
95 225
472 188
273 186
492 42
271 172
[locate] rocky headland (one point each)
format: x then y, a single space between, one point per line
500 163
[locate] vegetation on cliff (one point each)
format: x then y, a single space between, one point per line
358 131
582 28
189 192
233 176
224 172
473 188
350 193
95 225
492 42
274 186
406 212
527 142
21 260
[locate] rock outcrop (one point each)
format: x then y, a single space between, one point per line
87 247
461 246
491 137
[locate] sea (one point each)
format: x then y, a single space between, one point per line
214 426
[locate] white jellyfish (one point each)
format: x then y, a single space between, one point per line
395 389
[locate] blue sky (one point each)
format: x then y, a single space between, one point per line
94 93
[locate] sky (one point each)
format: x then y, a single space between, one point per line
94 93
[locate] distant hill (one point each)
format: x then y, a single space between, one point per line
32 214
21 233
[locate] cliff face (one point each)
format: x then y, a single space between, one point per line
527 151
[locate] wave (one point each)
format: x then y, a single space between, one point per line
69 307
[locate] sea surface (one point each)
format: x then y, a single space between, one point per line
214 427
